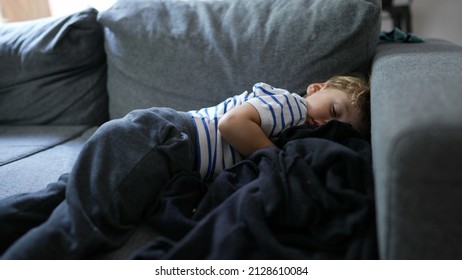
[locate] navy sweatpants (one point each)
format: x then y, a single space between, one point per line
114 185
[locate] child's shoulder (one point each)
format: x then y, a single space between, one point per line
267 89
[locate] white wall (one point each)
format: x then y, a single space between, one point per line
438 19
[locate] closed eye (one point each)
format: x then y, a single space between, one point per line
334 112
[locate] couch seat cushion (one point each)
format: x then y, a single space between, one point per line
18 142
32 157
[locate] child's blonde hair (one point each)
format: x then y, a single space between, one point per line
358 90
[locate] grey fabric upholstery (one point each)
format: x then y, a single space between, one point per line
18 142
53 71
36 171
416 137
191 54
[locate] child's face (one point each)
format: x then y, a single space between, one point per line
326 104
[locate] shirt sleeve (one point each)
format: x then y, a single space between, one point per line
278 108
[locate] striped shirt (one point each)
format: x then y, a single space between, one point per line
278 109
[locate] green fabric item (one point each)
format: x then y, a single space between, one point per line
399 36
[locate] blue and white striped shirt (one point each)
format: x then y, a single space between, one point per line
278 109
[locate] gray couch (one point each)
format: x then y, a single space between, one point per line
61 78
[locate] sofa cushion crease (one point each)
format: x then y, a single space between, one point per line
36 170
18 142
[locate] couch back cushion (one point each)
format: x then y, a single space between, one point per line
193 53
53 71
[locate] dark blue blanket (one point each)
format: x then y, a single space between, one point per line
313 199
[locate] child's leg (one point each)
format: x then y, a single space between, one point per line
114 183
20 213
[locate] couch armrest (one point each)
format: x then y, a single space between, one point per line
416 105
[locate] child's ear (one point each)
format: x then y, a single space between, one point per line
312 88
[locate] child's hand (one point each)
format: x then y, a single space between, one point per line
241 128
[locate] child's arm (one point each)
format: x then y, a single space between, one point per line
241 128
